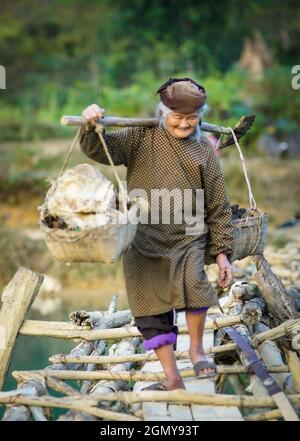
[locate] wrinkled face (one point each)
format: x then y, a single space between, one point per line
180 125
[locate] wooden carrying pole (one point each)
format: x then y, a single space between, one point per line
69 120
240 129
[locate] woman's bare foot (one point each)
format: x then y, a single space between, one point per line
174 383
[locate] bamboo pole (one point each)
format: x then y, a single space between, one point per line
294 365
264 416
96 320
72 414
69 120
274 333
78 403
17 413
16 300
100 319
176 396
271 355
68 331
83 349
256 386
105 386
133 375
287 410
62 387
220 383
34 385
136 358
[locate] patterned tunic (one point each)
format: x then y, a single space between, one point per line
164 267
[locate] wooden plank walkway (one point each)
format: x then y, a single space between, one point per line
175 412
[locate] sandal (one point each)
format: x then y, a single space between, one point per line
205 364
155 386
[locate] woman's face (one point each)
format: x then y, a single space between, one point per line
180 125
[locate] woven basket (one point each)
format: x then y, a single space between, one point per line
103 244
249 235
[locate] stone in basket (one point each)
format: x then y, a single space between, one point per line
81 219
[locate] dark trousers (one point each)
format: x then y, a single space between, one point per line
159 330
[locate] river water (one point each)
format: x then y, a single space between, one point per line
31 352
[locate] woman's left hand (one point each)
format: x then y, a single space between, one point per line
225 270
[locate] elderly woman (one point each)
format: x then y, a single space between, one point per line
164 267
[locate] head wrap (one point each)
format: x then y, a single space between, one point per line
182 95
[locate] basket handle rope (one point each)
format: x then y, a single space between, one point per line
73 144
251 197
98 130
70 151
252 201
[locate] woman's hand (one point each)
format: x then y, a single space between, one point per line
225 270
93 113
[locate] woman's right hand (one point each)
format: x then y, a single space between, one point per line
92 114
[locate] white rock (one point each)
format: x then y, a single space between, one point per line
81 190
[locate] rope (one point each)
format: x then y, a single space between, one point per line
258 236
98 130
252 201
73 144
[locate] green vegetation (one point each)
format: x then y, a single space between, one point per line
61 56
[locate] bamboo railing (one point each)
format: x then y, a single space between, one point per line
106 379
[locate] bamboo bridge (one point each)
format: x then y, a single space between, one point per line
113 369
